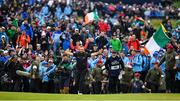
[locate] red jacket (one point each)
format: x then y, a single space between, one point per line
103 27
134 44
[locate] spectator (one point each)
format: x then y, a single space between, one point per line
115 43
169 58
114 65
97 75
125 82
23 40
153 78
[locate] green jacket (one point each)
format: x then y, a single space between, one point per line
116 44
127 76
170 60
154 76
97 74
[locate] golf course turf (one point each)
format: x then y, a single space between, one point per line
73 97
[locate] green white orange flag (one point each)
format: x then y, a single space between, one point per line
91 17
157 41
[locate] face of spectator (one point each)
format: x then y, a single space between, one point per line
133 52
114 54
133 37
156 66
81 49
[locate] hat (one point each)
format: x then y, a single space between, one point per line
3 36
48 27
114 51
155 53
169 46
156 63
5 52
114 34
99 61
128 66
137 74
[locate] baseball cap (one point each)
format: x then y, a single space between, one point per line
169 46
137 74
156 62
99 61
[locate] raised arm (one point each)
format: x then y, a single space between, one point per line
69 53
96 53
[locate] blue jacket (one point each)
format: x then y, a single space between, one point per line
137 63
28 29
67 10
56 36
93 63
45 72
126 60
24 15
145 63
153 59
45 10
66 44
31 2
58 13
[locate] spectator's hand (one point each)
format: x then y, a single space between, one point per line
101 50
145 83
161 83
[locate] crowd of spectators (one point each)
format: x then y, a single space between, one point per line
45 46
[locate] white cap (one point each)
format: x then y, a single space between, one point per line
6 51
34 67
3 36
48 27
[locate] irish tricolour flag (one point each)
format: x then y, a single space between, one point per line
157 41
91 17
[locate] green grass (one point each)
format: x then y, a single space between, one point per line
106 97
176 3
156 22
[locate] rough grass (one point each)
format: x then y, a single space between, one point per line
105 97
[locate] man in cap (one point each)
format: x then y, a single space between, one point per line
169 59
153 78
114 65
98 76
127 76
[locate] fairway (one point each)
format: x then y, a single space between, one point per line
105 97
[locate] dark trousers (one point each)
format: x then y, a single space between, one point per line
113 83
125 88
80 80
170 80
177 90
143 75
154 87
26 84
35 85
97 87
48 87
